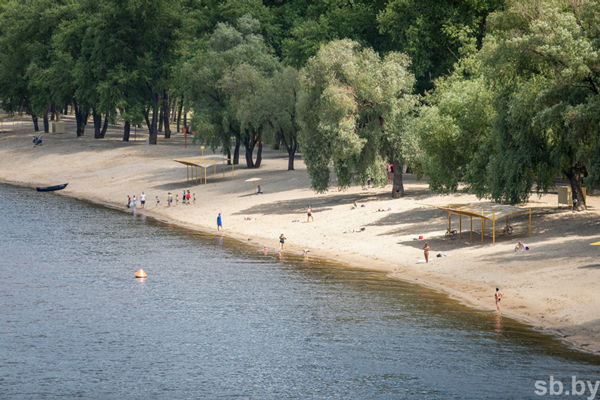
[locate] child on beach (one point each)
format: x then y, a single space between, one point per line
176 199
184 197
128 201
188 197
309 213
157 202
143 199
134 202
281 241
194 198
169 199
259 190
219 223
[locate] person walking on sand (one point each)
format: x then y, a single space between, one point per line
194 198
309 213
128 201
157 202
188 197
281 241
143 200
426 252
169 199
219 223
498 297
176 199
134 202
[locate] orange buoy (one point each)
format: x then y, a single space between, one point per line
140 274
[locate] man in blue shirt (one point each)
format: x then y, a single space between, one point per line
219 223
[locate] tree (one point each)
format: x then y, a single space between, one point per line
521 111
231 61
430 32
353 112
543 60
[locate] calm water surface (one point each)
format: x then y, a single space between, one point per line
216 318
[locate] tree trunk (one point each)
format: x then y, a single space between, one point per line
291 156
81 119
105 126
153 134
147 118
576 188
184 117
258 155
34 118
228 156
179 114
126 131
52 111
236 152
46 123
174 109
166 110
398 185
160 119
97 123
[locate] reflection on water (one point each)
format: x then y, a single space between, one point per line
217 317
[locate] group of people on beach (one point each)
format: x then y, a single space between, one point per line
133 201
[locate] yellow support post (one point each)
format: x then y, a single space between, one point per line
482 228
530 222
460 226
494 227
506 228
205 175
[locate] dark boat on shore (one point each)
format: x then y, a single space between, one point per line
51 188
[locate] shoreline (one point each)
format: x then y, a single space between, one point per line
467 277
353 263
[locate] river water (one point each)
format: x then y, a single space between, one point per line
217 318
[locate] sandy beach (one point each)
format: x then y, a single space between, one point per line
553 286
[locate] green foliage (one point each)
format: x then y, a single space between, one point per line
352 112
432 32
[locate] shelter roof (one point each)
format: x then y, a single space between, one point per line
489 211
202 162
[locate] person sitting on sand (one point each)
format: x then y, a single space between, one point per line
37 140
519 246
305 253
354 205
249 218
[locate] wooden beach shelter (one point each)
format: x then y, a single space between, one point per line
485 211
254 180
203 163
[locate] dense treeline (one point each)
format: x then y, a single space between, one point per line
500 95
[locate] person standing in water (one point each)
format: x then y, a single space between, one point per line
219 223
426 249
309 213
134 202
498 297
281 241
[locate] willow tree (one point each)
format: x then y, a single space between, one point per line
353 112
543 60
